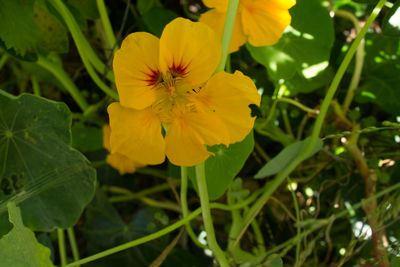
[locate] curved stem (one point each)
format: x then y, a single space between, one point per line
84 48
128 195
166 230
61 247
355 79
207 219
185 209
3 60
65 80
197 212
296 207
72 241
298 104
227 33
271 186
35 85
106 24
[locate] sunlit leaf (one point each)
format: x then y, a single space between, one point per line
391 22
381 84
222 168
19 248
303 51
27 26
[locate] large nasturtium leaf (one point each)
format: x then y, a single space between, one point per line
304 48
222 168
50 181
27 26
381 68
19 248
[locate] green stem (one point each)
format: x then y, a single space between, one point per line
3 60
296 207
258 236
286 121
271 186
228 65
139 241
65 80
359 61
207 219
161 204
197 212
153 172
166 230
35 85
227 33
72 242
138 195
61 247
185 209
112 42
86 52
236 222
298 104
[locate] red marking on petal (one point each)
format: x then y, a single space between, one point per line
153 77
178 70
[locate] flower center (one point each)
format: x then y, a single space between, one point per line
173 96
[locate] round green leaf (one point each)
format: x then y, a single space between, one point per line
27 26
222 168
50 181
19 248
304 49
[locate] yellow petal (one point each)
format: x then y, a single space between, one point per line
216 20
136 70
265 20
188 134
136 134
221 5
191 49
122 164
106 137
229 97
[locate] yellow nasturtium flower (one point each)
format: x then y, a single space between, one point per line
118 161
171 103
259 22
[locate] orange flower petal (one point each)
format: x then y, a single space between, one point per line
229 96
216 21
122 164
188 134
221 5
136 70
190 49
265 20
136 134
106 137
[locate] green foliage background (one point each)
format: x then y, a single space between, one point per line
56 82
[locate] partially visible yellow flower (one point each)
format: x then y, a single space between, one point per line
171 103
259 22
118 161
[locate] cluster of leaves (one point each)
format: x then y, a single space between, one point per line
51 141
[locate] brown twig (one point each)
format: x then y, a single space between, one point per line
370 178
